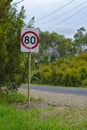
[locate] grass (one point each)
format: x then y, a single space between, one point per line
12 97
52 118
68 119
16 97
36 99
12 119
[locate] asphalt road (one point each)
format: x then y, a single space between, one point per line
61 90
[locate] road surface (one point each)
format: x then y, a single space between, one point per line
60 90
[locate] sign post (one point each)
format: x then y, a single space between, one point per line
29 44
29 77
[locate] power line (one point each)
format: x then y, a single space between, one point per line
63 6
76 21
67 18
53 19
79 20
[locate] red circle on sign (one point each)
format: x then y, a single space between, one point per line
35 43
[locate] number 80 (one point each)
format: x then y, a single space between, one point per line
31 40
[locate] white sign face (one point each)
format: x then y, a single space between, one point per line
29 40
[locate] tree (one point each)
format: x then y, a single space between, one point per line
79 40
11 59
62 45
53 46
4 8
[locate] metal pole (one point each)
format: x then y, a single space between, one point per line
29 77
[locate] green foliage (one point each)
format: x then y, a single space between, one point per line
36 77
11 97
84 83
80 39
15 97
58 77
3 97
10 57
65 72
53 46
45 73
74 79
46 119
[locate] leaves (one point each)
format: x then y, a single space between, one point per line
71 71
10 56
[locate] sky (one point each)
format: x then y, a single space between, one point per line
61 16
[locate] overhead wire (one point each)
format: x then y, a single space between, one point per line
67 18
54 11
76 21
61 15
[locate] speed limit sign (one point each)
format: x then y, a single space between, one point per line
29 40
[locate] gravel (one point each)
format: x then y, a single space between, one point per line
56 99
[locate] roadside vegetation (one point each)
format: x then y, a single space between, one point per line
49 118
9 98
71 71
60 61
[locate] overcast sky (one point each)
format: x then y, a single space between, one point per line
61 16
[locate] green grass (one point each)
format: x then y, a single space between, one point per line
68 119
16 97
51 118
12 97
12 119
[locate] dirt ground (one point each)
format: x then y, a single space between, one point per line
53 99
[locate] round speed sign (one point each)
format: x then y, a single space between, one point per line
30 40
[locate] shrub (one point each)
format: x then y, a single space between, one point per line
64 72
83 72
59 77
84 83
74 78
66 77
46 74
83 57
71 78
36 77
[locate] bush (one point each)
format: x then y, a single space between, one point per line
15 97
74 78
66 77
84 83
36 78
46 74
59 77
64 72
83 72
12 97
71 78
